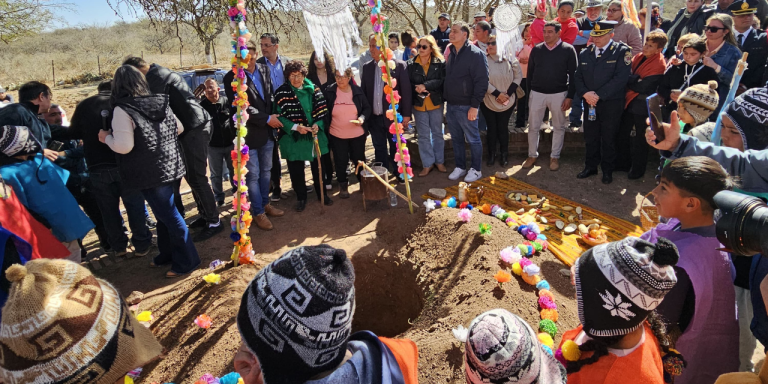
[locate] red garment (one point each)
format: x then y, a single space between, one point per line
15 218
642 366
537 31
568 30
653 66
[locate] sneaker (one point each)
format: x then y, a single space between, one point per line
544 126
473 176
275 196
151 223
208 232
199 223
456 174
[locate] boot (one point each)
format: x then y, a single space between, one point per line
503 159
491 159
344 190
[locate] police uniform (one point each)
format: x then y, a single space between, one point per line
755 42
606 73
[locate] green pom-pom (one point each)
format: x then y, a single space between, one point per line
549 327
505 216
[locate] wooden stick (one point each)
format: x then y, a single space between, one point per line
387 184
320 174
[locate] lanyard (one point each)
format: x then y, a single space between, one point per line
687 78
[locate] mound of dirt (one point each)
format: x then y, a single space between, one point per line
441 277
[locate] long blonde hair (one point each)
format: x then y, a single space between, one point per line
727 22
433 44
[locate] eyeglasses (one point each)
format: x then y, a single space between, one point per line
424 47
296 76
612 10
265 45
492 43
713 29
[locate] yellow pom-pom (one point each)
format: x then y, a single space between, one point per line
550 314
571 351
546 339
529 279
517 269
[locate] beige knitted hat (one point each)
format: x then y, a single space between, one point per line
700 100
63 325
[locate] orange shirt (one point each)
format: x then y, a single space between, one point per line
641 366
427 105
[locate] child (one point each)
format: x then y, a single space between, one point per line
618 285
522 56
700 307
537 27
689 72
500 347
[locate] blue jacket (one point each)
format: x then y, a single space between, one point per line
41 186
441 37
25 114
466 76
727 58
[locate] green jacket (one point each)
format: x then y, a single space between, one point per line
301 150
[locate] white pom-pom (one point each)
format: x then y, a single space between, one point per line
461 333
382 63
391 64
531 269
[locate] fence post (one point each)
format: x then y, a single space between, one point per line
142 54
98 62
53 70
180 62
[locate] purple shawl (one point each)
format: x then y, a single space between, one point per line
710 344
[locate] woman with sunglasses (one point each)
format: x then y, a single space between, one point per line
722 54
504 76
690 19
427 72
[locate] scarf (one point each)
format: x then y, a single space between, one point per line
675 32
649 67
291 108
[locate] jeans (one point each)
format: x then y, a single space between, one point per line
482 125
194 145
173 239
107 189
345 150
462 129
257 179
217 156
380 137
429 126
747 342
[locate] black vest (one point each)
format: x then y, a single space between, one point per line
155 158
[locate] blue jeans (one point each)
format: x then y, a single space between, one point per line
576 110
107 189
482 126
219 162
429 126
259 168
460 129
173 239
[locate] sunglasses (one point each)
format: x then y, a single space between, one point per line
713 29
424 47
492 43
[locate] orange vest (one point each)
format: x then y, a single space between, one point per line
407 356
642 366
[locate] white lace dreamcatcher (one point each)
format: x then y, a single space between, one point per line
332 28
508 39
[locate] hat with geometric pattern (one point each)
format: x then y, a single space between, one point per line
700 100
749 113
296 314
63 325
17 141
502 348
619 283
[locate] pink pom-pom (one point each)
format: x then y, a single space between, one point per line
524 262
397 154
559 357
530 235
465 215
545 302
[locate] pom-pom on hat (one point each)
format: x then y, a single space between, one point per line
749 113
502 348
63 325
296 314
619 283
700 100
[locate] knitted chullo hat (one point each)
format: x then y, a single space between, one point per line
296 314
63 325
749 112
700 100
16 141
502 348
618 284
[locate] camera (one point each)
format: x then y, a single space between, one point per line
742 223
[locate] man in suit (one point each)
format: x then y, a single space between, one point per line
261 138
601 77
373 88
752 41
274 64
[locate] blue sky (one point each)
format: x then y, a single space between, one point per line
90 12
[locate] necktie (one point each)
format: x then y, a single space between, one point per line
600 53
741 39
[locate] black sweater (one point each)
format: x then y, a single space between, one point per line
221 115
674 78
85 125
552 71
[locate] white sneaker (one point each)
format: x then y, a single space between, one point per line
545 125
473 176
456 174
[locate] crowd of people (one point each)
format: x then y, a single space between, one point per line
653 309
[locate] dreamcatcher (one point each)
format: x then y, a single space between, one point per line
332 28
508 39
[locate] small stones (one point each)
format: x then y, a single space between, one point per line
543 219
578 210
567 208
438 193
502 176
570 228
134 298
583 229
571 218
559 224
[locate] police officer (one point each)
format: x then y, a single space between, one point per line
753 41
601 78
